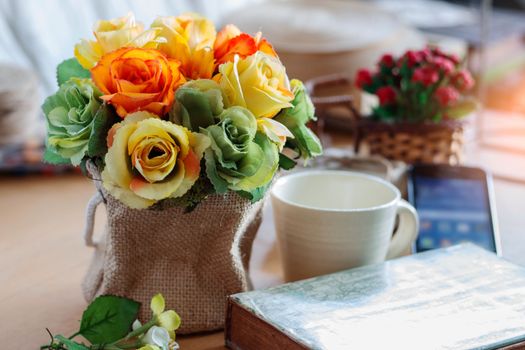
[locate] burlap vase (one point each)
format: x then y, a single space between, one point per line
194 259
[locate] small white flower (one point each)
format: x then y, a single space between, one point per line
136 325
157 336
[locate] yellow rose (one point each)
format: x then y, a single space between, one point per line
112 35
257 82
150 159
189 38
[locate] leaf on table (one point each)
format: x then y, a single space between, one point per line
108 318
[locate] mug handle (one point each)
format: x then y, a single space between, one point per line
406 232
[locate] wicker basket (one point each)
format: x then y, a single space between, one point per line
412 142
407 142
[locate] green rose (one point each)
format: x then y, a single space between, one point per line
240 158
198 102
295 118
77 123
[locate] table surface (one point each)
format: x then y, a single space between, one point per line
43 258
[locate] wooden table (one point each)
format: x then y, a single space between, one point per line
43 258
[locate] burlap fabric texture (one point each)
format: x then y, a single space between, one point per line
194 259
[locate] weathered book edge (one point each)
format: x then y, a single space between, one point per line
244 331
516 346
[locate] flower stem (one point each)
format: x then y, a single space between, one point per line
133 345
74 335
142 329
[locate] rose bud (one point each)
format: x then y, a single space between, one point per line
387 95
387 60
425 75
443 64
363 78
425 54
412 58
446 95
463 80
438 52
453 58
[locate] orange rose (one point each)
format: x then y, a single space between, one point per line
231 41
134 79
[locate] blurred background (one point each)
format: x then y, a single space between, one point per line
313 38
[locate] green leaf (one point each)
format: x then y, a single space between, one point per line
83 167
256 194
461 109
70 68
305 142
53 158
108 318
104 119
219 184
386 113
189 201
286 163
70 344
437 117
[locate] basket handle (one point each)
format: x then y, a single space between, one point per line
324 103
91 210
321 102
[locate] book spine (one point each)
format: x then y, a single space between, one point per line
245 331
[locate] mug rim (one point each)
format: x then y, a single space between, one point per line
348 173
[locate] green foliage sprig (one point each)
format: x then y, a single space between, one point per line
110 323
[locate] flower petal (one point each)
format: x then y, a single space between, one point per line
157 304
198 143
169 320
159 190
125 195
276 132
257 82
157 336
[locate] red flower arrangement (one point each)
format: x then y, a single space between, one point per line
425 85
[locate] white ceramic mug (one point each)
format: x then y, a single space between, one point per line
327 221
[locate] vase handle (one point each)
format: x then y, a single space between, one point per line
90 219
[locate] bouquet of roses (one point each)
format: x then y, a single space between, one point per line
426 85
177 111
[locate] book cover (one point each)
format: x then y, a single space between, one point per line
460 297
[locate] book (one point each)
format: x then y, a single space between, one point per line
460 297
